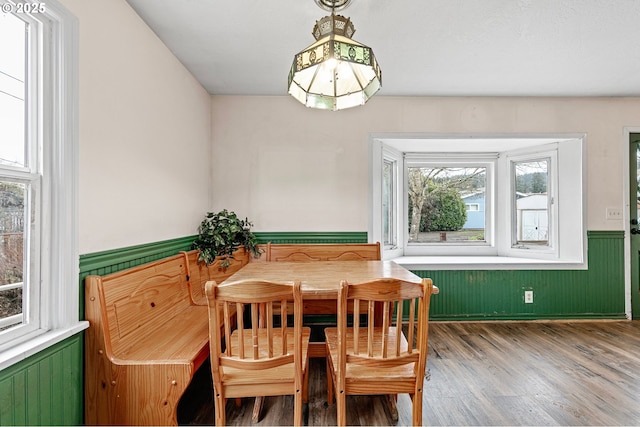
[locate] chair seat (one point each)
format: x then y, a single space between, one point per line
356 372
280 374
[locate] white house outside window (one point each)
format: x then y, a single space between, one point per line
533 202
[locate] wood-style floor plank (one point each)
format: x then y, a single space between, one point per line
510 373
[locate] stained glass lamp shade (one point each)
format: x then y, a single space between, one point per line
335 72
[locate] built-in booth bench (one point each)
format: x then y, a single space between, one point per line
148 332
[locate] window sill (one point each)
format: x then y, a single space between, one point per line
39 343
484 263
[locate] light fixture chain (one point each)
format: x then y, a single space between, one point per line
333 5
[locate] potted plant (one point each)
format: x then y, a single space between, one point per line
221 234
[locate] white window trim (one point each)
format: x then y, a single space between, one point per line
392 241
571 233
59 295
506 185
486 248
377 154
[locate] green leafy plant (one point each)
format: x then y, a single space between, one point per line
221 234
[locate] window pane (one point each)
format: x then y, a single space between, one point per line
531 202
438 200
12 214
387 204
12 90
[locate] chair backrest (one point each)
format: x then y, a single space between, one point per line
323 252
262 344
390 305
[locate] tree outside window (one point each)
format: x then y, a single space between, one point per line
437 210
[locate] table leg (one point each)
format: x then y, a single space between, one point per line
392 404
257 408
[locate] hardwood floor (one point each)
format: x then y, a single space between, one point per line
510 373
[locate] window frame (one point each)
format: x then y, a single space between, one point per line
552 206
569 235
551 251
30 174
376 155
487 161
54 115
390 220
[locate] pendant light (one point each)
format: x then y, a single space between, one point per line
335 72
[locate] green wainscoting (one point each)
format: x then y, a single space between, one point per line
106 262
312 237
558 294
47 389
101 263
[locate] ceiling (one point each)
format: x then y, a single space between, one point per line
424 47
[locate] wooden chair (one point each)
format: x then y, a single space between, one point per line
363 358
263 359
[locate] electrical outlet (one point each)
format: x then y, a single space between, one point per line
614 213
528 297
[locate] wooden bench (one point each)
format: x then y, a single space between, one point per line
323 252
148 335
148 332
199 273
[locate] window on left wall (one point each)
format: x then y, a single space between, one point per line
20 178
38 178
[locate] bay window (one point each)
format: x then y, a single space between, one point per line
492 201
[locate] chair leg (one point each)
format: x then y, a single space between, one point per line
341 405
219 407
297 408
417 408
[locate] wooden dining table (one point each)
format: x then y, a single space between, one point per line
321 279
320 282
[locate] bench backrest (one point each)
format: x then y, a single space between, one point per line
138 301
200 273
323 252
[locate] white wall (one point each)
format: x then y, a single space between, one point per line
144 133
156 151
289 168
